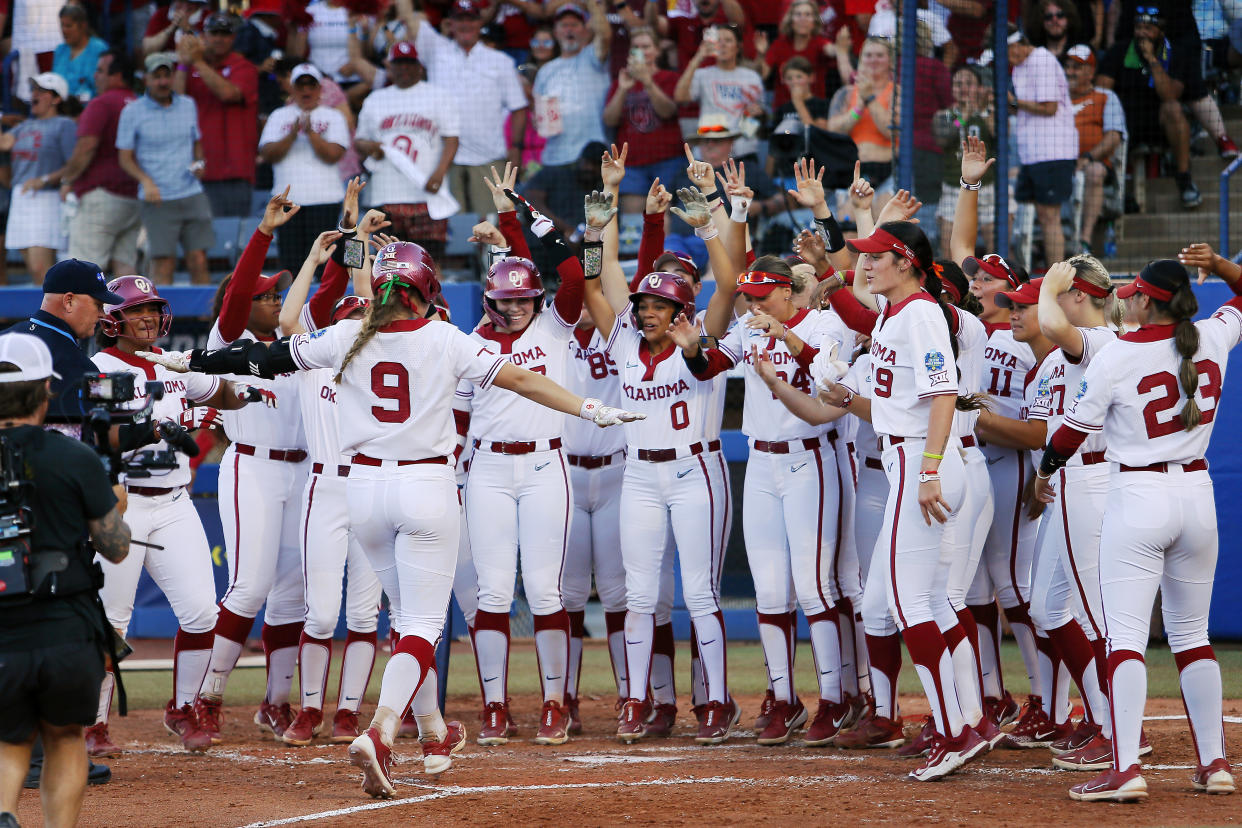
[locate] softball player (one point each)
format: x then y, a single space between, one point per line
1154 394
262 476
160 512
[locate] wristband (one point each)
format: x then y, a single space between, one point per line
849 398
834 239
712 197
973 187
697 363
707 232
592 234
592 259
931 456
739 206
929 477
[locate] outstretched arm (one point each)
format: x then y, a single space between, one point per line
612 173
803 406
538 388
291 308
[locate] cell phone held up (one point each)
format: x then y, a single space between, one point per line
355 253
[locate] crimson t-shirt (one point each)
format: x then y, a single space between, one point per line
825 79
99 119
230 131
687 32
651 137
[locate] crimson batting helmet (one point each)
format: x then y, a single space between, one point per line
670 286
347 306
512 277
134 291
405 263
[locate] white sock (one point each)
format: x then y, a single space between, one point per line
712 653
402 677
1201 693
826 650
552 649
639 640
356 667
191 668
224 654
1127 695
105 698
966 679
574 668
313 659
491 648
282 664
776 655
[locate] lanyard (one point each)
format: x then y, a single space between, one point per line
65 334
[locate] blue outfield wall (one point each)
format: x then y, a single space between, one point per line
153 617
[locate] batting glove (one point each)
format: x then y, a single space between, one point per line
201 417
826 368
178 361
605 415
251 394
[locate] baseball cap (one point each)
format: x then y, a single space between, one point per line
347 306
31 356
52 82
1081 53
466 8
221 22
160 60
683 261
1148 13
572 8
759 283
882 241
303 70
402 50
1159 280
994 265
77 276
1026 294
277 281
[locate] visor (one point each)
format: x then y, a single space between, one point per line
882 241
1026 294
277 281
1141 285
994 265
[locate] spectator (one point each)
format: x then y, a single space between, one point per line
303 142
557 192
225 88
76 58
262 37
972 115
1047 139
105 226
625 17
1150 75
421 121
641 109
969 22
687 33
327 40
35 36
543 49
1101 127
517 20
801 35
40 148
330 95
788 141
160 146
1053 24
488 79
864 111
171 21
570 91
933 89
725 90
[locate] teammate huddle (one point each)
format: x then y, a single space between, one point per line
891 489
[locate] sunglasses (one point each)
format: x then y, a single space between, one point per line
759 277
1055 15
269 297
542 43
1150 11
708 130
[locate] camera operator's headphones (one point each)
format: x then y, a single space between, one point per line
134 291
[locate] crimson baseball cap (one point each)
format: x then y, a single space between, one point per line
1026 294
759 283
1159 280
995 266
466 8
77 276
678 259
277 281
882 241
402 50
30 355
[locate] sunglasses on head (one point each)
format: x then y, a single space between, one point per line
759 277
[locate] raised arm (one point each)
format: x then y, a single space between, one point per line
612 173
809 192
975 163
235 310
1052 320
506 211
291 308
652 243
1201 257
568 300
735 233
697 215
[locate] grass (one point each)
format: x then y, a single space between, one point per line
746 674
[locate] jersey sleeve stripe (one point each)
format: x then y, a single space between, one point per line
616 327
942 393
492 372
1081 426
295 346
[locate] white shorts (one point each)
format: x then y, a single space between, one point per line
34 220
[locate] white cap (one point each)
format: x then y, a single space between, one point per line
29 354
52 82
306 69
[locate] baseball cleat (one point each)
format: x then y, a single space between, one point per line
830 719
1034 729
765 712
1002 711
1144 745
274 718
662 720
575 718
304 728
1112 786
970 745
922 744
989 732
718 721
177 720
1096 755
786 718
409 727
553 724
495 728
1079 737
438 754
1214 778
344 726
375 759
699 711
632 724
874 732
209 714
98 743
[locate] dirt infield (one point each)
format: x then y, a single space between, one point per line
594 780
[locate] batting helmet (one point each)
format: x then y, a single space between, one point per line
668 286
512 277
347 306
405 263
134 291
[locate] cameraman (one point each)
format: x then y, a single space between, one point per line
52 640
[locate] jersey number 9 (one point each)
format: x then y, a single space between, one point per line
391 381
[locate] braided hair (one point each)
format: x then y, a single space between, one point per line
383 309
1182 306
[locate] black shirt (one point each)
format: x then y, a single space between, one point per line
71 488
1132 78
68 359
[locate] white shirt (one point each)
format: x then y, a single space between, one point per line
328 39
727 93
317 400
310 179
483 77
1059 379
911 362
396 396
1040 138
858 380
1006 362
417 119
257 424
500 415
972 339
592 373
763 416
181 391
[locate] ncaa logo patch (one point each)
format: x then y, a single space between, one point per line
318 333
933 360
1082 389
1044 388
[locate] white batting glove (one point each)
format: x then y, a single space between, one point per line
826 368
251 394
178 361
606 415
200 417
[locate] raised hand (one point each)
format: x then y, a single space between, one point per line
683 332
486 233
349 207
279 210
767 323
323 247
658 198
176 361
861 191
599 209
734 180
1058 279
382 240
810 184
612 165
695 213
373 222
975 161
901 207
539 224
498 184
700 173
810 246
1201 257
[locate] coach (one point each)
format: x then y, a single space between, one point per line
52 640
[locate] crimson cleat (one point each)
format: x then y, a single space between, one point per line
438 754
861 705
699 711
345 726
1034 729
989 732
765 711
209 714
1002 711
304 728
495 728
1144 745
1112 786
575 718
786 718
375 759
1215 778
632 724
922 744
177 720
662 720
1097 755
409 727
274 718
98 743
873 732
718 720
1079 737
830 719
553 724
